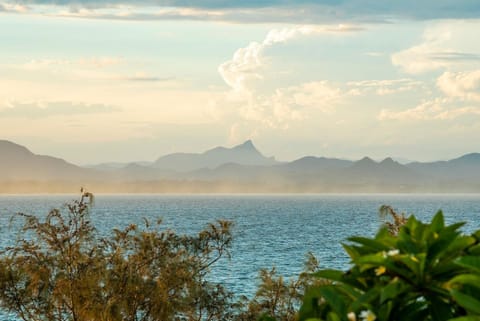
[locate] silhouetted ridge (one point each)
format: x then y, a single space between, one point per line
241 168
243 154
18 163
388 161
10 148
470 159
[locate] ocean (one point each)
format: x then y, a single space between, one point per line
269 230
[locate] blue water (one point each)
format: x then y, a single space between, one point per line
270 230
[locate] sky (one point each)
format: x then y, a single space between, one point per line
98 81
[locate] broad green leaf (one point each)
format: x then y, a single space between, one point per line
310 306
466 301
351 251
334 275
475 249
467 318
369 243
470 279
471 262
368 298
459 244
440 310
372 259
349 290
438 222
333 317
392 290
334 298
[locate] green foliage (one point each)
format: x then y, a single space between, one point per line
417 271
278 299
60 270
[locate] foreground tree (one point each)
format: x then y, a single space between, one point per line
59 270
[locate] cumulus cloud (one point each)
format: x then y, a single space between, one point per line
279 107
245 65
461 85
40 109
247 62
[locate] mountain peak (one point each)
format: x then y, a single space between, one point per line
246 145
388 160
367 160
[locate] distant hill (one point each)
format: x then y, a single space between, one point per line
388 170
116 165
311 163
241 168
18 163
244 154
466 167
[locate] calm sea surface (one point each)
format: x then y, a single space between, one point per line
270 230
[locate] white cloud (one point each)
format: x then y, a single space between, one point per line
443 47
241 72
13 7
246 63
86 62
382 87
436 109
43 109
91 68
281 106
461 85
425 111
418 59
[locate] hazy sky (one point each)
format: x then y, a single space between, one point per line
95 81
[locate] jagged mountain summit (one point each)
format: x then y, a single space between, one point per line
243 154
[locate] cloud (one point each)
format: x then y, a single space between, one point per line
462 85
382 87
86 62
425 111
461 94
249 11
440 49
97 68
13 7
280 106
436 109
145 77
246 64
38 109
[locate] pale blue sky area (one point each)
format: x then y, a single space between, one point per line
97 81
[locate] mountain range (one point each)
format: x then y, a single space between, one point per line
241 168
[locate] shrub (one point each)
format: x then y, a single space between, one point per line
426 272
60 270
